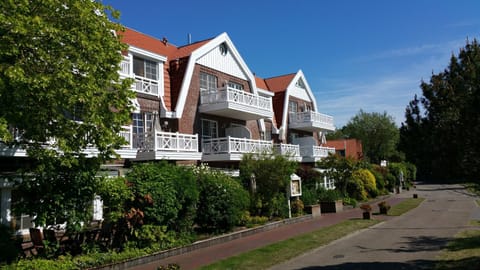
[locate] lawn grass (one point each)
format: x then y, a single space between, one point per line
461 253
404 206
276 253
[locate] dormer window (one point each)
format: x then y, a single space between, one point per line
236 86
145 68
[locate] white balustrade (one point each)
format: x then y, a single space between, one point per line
315 151
310 117
236 96
166 141
235 145
146 86
288 149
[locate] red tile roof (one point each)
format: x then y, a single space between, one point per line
280 83
146 42
260 83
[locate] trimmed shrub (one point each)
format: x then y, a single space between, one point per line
309 196
368 180
166 193
222 201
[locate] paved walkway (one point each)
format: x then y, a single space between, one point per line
205 256
410 241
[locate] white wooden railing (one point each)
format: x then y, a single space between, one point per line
235 145
229 94
315 151
146 86
310 116
166 141
287 149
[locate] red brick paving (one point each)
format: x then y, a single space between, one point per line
209 255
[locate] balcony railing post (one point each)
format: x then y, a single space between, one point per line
228 145
177 144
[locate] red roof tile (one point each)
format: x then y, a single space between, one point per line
261 83
146 42
280 83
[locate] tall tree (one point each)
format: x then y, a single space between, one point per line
378 133
58 62
60 87
450 126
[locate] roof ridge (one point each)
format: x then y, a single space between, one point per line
150 36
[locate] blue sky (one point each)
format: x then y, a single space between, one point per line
369 55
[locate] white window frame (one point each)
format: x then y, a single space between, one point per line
235 85
212 124
208 82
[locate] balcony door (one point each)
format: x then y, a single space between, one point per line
209 129
142 127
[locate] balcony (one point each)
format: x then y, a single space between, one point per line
290 150
141 84
310 121
167 145
236 104
231 148
313 153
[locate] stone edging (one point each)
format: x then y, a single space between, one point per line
201 244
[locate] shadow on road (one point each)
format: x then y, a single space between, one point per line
421 264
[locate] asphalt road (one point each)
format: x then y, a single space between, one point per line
410 241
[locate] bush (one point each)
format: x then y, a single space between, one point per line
155 236
252 221
167 194
350 201
222 201
356 189
309 196
115 194
297 207
329 195
368 180
379 177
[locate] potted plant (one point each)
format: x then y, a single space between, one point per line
330 201
367 210
310 200
384 207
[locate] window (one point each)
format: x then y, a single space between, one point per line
300 84
208 82
145 68
292 106
209 129
142 122
236 86
307 107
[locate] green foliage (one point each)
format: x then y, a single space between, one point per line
368 180
442 127
297 207
59 59
271 177
380 174
55 193
222 201
155 236
350 201
309 176
378 133
166 193
252 221
328 195
115 194
340 169
309 195
356 189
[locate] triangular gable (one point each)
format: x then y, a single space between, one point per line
300 91
207 51
220 58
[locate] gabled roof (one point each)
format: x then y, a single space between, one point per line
146 42
279 83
